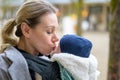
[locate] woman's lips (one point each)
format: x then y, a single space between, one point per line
54 47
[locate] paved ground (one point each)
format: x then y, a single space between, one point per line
100 49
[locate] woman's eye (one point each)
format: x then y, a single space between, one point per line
50 32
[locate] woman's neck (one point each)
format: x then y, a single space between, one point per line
24 44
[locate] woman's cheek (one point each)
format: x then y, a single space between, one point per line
49 40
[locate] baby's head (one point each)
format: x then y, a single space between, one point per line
76 45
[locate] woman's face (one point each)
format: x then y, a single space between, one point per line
43 37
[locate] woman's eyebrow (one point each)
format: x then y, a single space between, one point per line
50 26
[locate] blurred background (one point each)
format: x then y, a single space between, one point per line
88 18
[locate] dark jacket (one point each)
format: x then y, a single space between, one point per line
14 66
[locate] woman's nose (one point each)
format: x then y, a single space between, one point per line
55 38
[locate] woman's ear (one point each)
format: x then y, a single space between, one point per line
25 29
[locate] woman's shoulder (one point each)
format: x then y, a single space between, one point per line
3 62
12 54
5 53
3 47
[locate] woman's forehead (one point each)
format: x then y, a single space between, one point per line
49 20
49 17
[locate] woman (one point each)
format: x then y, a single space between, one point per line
35 24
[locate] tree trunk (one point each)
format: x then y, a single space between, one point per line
114 59
79 20
77 8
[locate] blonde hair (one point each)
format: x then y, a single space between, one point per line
30 13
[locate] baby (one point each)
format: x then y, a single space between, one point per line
74 44
75 57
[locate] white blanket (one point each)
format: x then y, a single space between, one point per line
79 67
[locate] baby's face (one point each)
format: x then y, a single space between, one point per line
57 50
